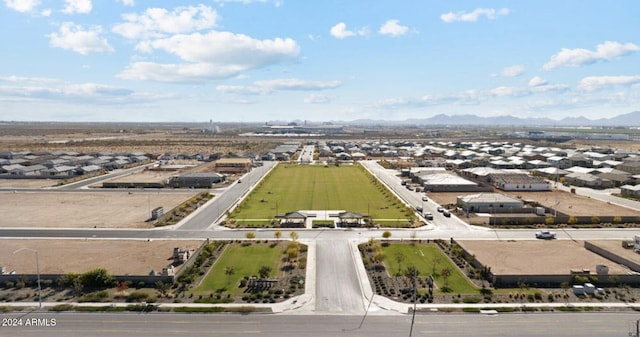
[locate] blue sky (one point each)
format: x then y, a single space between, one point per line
262 60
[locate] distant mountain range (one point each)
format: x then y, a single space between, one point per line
626 120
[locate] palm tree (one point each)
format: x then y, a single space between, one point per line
277 234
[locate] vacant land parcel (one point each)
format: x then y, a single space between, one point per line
290 188
119 257
83 209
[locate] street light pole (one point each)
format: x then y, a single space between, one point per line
37 272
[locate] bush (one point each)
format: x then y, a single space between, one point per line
137 296
471 299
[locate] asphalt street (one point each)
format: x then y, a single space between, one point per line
174 324
337 283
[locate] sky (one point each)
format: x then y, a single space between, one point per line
316 60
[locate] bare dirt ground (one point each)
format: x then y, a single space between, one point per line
568 203
27 183
537 257
83 210
119 257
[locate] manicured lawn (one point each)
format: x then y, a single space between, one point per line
291 188
422 257
245 261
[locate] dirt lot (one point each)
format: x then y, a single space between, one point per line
537 257
568 203
119 257
83 210
27 183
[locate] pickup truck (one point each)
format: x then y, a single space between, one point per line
547 235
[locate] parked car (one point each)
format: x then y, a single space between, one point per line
425 199
419 208
428 216
446 213
546 235
440 209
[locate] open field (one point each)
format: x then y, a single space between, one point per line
125 138
568 203
553 257
83 210
290 188
119 257
244 261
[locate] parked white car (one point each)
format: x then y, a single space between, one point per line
547 235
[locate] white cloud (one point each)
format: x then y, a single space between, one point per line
317 99
579 57
592 83
508 92
92 93
23 79
537 81
511 71
224 48
128 3
22 6
270 86
339 31
46 12
177 73
241 89
296 84
158 22
474 15
77 6
79 39
393 28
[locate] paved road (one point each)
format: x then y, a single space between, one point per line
187 325
414 199
215 209
338 287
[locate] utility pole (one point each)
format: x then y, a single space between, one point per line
415 290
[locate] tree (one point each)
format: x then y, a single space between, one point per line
386 235
97 278
264 271
229 271
250 235
572 220
163 288
378 256
293 235
436 262
277 234
411 273
445 273
400 258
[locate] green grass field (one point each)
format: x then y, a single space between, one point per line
422 257
245 261
291 188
